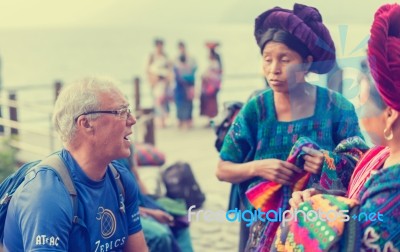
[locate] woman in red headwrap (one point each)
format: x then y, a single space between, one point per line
255 152
373 197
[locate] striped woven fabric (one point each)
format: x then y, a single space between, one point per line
370 162
308 232
267 195
148 155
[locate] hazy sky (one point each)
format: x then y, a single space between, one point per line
40 13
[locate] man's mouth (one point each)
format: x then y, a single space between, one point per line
126 138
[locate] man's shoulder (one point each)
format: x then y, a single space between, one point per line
41 186
127 178
120 167
123 171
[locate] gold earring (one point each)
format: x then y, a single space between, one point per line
390 136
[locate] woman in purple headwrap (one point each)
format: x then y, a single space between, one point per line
292 44
372 199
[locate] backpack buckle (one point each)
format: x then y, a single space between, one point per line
5 199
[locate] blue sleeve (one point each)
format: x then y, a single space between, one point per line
345 119
240 141
131 199
42 210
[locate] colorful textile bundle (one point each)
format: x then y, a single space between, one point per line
341 160
148 155
375 192
310 233
368 164
267 195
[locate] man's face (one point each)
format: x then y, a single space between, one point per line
112 132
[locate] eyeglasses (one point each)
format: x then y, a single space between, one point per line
121 113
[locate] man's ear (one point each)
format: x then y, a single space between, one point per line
84 123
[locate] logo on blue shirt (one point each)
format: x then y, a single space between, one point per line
108 222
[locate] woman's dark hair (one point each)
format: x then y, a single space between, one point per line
182 58
158 41
281 36
216 56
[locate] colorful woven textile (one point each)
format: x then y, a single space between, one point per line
368 164
378 197
308 232
381 194
257 134
148 155
344 156
267 195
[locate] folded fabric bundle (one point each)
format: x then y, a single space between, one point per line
148 155
304 234
268 195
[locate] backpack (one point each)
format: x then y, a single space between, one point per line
180 183
231 110
12 182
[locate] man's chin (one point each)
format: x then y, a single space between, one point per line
124 154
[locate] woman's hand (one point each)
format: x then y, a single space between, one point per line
302 196
313 160
162 217
158 215
276 170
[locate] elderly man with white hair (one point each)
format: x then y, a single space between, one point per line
94 121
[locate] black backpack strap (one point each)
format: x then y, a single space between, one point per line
120 188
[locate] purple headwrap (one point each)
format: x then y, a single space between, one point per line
384 53
304 23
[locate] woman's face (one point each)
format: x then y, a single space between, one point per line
283 68
371 117
160 47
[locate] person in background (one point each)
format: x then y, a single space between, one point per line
211 83
185 69
93 119
258 144
374 185
160 76
163 231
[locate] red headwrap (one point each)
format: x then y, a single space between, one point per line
384 53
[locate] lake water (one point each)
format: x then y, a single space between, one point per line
35 58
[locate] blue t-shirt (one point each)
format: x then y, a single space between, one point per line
40 213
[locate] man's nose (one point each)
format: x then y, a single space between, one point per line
131 120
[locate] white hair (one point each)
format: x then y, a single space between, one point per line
76 98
